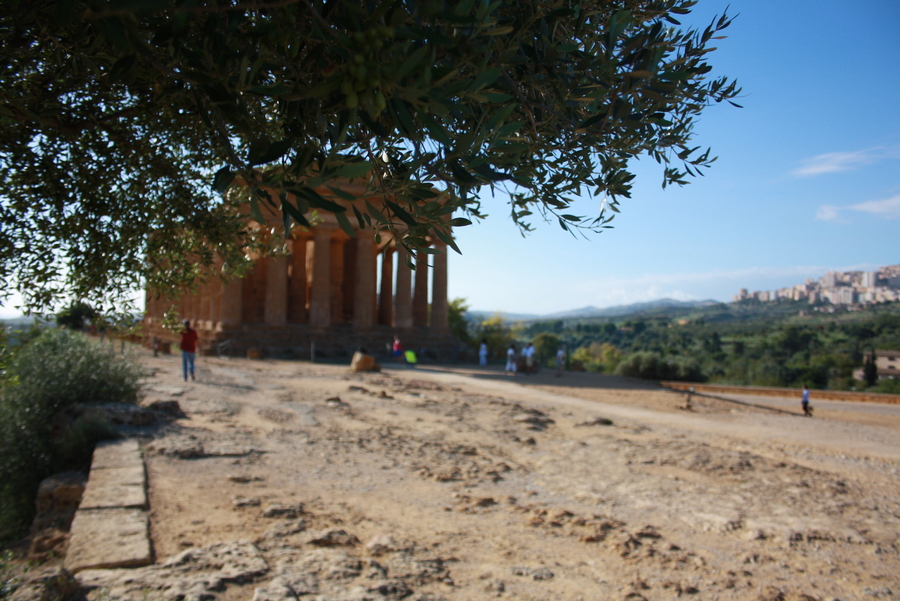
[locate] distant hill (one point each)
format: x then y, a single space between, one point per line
595 312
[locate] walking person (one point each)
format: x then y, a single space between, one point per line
804 402
188 346
511 359
528 352
560 361
398 350
483 353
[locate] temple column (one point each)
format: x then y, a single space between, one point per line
420 294
440 311
215 298
338 248
320 297
297 284
230 304
403 295
364 291
386 296
276 291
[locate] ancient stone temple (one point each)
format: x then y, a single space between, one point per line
332 292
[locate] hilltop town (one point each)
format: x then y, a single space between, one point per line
837 288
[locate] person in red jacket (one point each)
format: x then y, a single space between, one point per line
188 346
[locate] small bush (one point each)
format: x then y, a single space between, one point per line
886 386
651 366
8 582
56 371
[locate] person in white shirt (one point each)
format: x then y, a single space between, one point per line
560 361
511 359
529 359
483 353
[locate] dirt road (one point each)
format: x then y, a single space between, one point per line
463 484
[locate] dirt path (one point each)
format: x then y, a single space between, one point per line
460 484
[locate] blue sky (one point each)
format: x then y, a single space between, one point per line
807 180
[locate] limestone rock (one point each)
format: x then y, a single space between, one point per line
363 362
168 407
277 510
116 487
286 528
117 453
196 573
48 584
382 545
245 502
46 542
597 421
57 499
333 538
106 538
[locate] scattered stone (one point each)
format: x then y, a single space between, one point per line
48 584
277 510
755 534
57 499
392 589
597 421
382 545
363 362
168 407
196 573
243 479
419 571
882 591
276 415
535 573
359 389
185 446
536 421
333 538
46 542
245 501
337 403
287 528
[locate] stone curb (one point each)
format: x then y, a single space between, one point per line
111 528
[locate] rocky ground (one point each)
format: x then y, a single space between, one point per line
290 480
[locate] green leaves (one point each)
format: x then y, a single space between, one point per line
420 103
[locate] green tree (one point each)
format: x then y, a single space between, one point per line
498 333
870 370
75 316
459 324
131 133
545 346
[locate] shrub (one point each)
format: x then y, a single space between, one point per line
59 370
651 366
8 581
887 386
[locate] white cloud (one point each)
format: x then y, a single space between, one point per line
608 292
834 162
828 213
888 208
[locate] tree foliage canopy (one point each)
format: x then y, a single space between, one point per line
124 123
